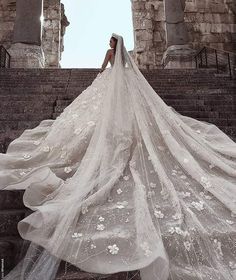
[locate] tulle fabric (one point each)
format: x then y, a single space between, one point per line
120 181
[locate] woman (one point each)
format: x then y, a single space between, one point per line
120 181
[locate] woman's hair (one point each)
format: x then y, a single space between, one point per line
113 38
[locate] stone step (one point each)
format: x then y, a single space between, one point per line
12 250
9 219
81 275
11 199
27 116
27 111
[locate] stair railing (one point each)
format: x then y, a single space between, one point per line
223 61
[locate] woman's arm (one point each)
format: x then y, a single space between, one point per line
106 60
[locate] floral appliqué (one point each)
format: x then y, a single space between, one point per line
113 249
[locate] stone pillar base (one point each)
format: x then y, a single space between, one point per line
26 56
179 56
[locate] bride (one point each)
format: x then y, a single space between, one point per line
120 181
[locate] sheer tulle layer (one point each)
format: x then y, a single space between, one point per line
121 181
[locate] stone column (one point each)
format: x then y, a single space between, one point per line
26 50
178 54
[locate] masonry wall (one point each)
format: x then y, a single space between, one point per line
55 23
209 23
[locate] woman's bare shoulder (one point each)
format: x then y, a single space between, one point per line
110 51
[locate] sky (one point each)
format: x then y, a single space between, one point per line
91 24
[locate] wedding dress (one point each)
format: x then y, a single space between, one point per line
120 181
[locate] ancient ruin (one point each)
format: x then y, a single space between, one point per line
31 43
165 31
180 27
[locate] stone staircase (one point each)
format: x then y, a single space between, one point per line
29 96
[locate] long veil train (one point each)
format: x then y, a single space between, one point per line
120 181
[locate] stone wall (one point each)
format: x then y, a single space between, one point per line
55 23
7 18
149 32
209 22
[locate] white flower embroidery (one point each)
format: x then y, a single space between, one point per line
84 209
172 230
119 191
198 131
26 156
211 166
179 231
183 177
37 142
205 182
121 204
23 173
187 245
208 197
158 214
152 185
46 149
92 246
198 205
185 194
126 178
186 160
113 249
177 216
67 169
174 172
101 219
63 154
77 235
229 222
127 220
232 265
100 227
146 249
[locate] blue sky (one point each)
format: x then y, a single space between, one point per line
91 24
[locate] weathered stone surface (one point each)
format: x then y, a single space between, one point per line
176 30
11 200
26 56
200 23
28 25
55 23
